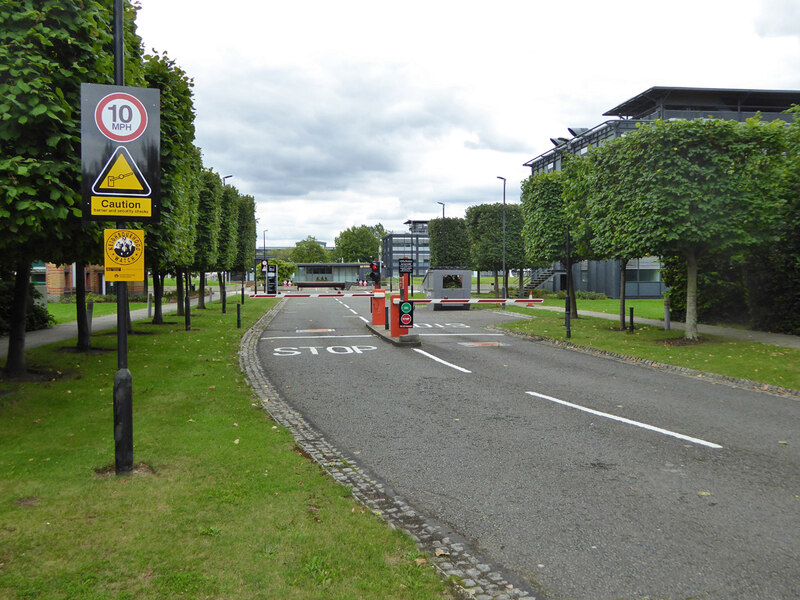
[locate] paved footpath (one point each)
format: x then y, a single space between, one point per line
67 331
746 335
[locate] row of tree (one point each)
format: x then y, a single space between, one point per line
714 194
47 49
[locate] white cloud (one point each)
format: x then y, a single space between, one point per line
338 114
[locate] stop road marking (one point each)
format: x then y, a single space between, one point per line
315 350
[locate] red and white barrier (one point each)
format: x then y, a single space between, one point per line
474 301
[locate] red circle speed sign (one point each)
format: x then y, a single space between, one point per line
121 117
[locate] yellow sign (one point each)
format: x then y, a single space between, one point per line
124 253
121 177
122 206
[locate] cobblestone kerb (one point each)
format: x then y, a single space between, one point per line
731 381
451 556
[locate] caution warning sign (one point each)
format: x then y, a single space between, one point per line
121 177
124 254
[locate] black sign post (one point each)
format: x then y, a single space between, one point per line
120 165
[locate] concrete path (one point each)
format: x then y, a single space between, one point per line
67 331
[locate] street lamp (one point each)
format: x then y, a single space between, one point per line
265 258
505 276
226 177
442 233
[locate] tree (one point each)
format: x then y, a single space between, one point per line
246 240
689 188
449 242
47 49
357 244
484 224
308 250
208 227
170 243
548 233
229 235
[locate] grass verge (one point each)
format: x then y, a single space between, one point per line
762 363
221 505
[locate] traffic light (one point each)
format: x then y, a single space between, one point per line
406 313
375 273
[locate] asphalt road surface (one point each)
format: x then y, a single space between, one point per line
672 488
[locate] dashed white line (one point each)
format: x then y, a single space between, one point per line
444 362
680 436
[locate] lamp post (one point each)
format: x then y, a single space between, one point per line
265 258
442 203
505 276
226 177
441 235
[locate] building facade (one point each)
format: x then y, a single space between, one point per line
413 244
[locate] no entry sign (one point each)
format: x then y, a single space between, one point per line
120 153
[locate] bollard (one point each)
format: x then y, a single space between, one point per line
567 319
666 313
238 316
89 311
386 317
630 325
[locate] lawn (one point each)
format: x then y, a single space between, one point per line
222 504
65 313
744 360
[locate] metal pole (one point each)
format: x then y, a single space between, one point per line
505 277
123 380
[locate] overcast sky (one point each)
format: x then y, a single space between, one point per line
334 114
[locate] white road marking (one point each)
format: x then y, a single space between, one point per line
461 334
680 436
444 362
366 320
314 337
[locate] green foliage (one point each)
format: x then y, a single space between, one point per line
357 244
308 250
47 48
229 229
36 316
545 218
208 223
172 241
449 242
246 240
484 224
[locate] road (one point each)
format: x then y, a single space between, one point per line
675 487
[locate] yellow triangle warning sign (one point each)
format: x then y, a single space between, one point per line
121 177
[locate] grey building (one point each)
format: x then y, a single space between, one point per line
643 276
413 244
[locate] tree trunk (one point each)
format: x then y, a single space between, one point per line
623 266
179 284
201 299
521 290
222 296
188 308
158 295
691 295
479 281
84 343
15 361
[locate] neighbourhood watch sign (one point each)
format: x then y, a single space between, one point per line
120 153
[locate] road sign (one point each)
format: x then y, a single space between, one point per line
120 153
124 254
406 266
121 117
406 315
